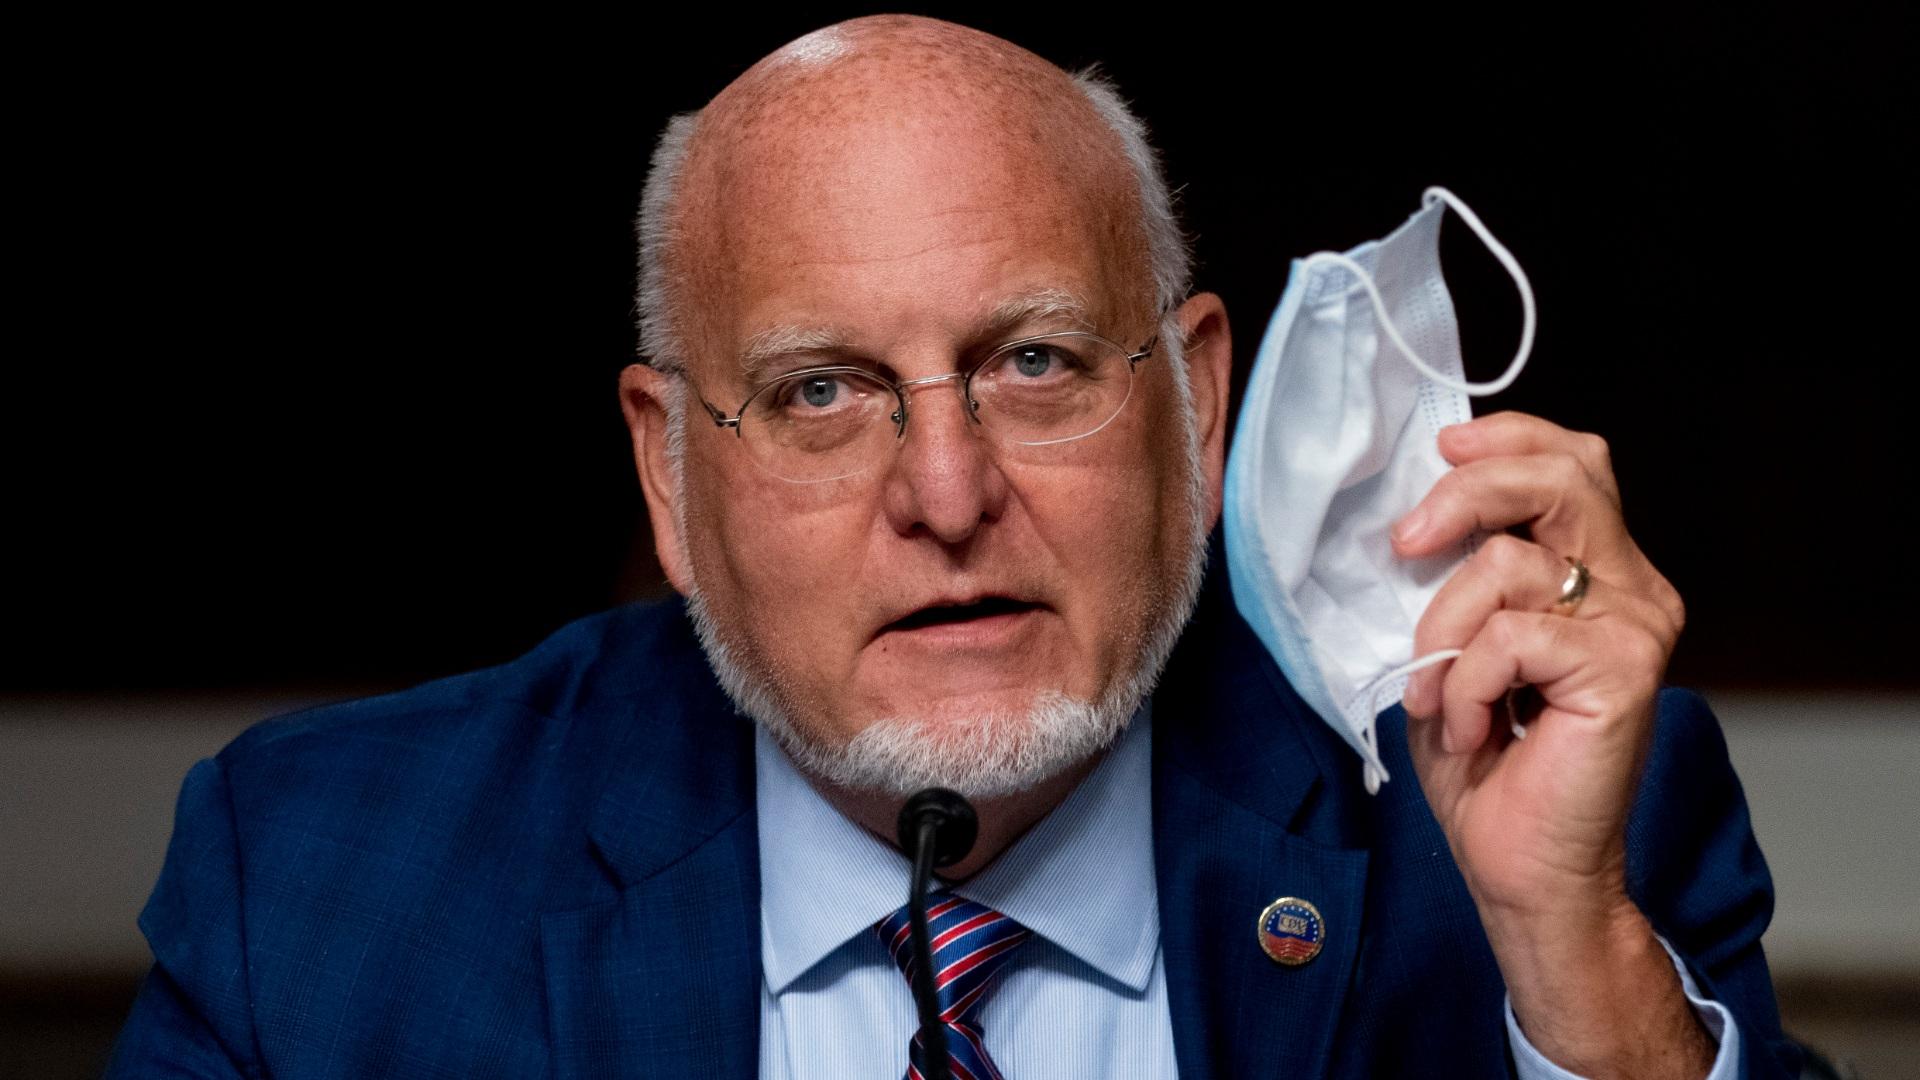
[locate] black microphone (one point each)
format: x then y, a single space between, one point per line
937 828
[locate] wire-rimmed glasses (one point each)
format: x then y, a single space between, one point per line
837 421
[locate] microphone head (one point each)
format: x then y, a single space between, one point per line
955 824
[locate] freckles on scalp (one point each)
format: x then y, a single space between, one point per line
863 113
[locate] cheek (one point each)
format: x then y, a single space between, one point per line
1100 512
1146 516
784 561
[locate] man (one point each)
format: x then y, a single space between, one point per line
932 439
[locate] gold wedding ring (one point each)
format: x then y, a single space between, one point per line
1574 588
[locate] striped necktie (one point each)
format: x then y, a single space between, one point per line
970 943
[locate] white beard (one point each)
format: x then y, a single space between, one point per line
1000 752
991 755
983 757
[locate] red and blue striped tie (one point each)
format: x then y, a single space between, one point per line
970 943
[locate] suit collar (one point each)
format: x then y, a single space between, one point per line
679 762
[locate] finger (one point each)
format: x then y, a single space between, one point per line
1562 509
1445 775
1549 493
1582 666
1509 434
1506 574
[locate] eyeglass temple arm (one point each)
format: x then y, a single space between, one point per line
1154 341
720 419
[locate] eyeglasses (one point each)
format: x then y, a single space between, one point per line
829 423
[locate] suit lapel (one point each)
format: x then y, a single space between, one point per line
664 979
1242 817
1236 1012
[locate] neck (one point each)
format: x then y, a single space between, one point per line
1003 820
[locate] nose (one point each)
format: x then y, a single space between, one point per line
943 478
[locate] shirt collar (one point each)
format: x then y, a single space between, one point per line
1082 878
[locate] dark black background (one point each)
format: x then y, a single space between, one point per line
313 376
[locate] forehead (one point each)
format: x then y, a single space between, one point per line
922 205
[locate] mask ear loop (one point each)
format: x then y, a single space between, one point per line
1373 773
1500 252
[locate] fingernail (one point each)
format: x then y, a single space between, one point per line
1411 525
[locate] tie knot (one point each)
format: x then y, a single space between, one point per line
970 944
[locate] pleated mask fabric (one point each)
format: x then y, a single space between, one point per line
1359 370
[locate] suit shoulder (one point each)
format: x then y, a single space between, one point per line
376 854
470 772
626 653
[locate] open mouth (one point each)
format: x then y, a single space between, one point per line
986 607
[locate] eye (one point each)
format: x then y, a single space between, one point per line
1039 360
814 395
819 391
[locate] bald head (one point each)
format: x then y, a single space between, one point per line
825 143
907 69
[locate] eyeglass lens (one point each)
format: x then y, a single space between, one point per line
830 423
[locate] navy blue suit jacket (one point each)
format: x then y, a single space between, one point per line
550 869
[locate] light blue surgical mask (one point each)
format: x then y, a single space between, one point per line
1337 440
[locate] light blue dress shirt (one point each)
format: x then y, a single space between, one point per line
1086 996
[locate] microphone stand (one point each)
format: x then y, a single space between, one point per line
937 828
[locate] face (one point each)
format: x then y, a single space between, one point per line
964 612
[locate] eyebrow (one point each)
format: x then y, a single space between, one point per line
1040 305
769 346
1050 304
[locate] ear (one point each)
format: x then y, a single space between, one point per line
1209 352
643 398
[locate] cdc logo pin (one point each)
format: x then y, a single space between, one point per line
1291 931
